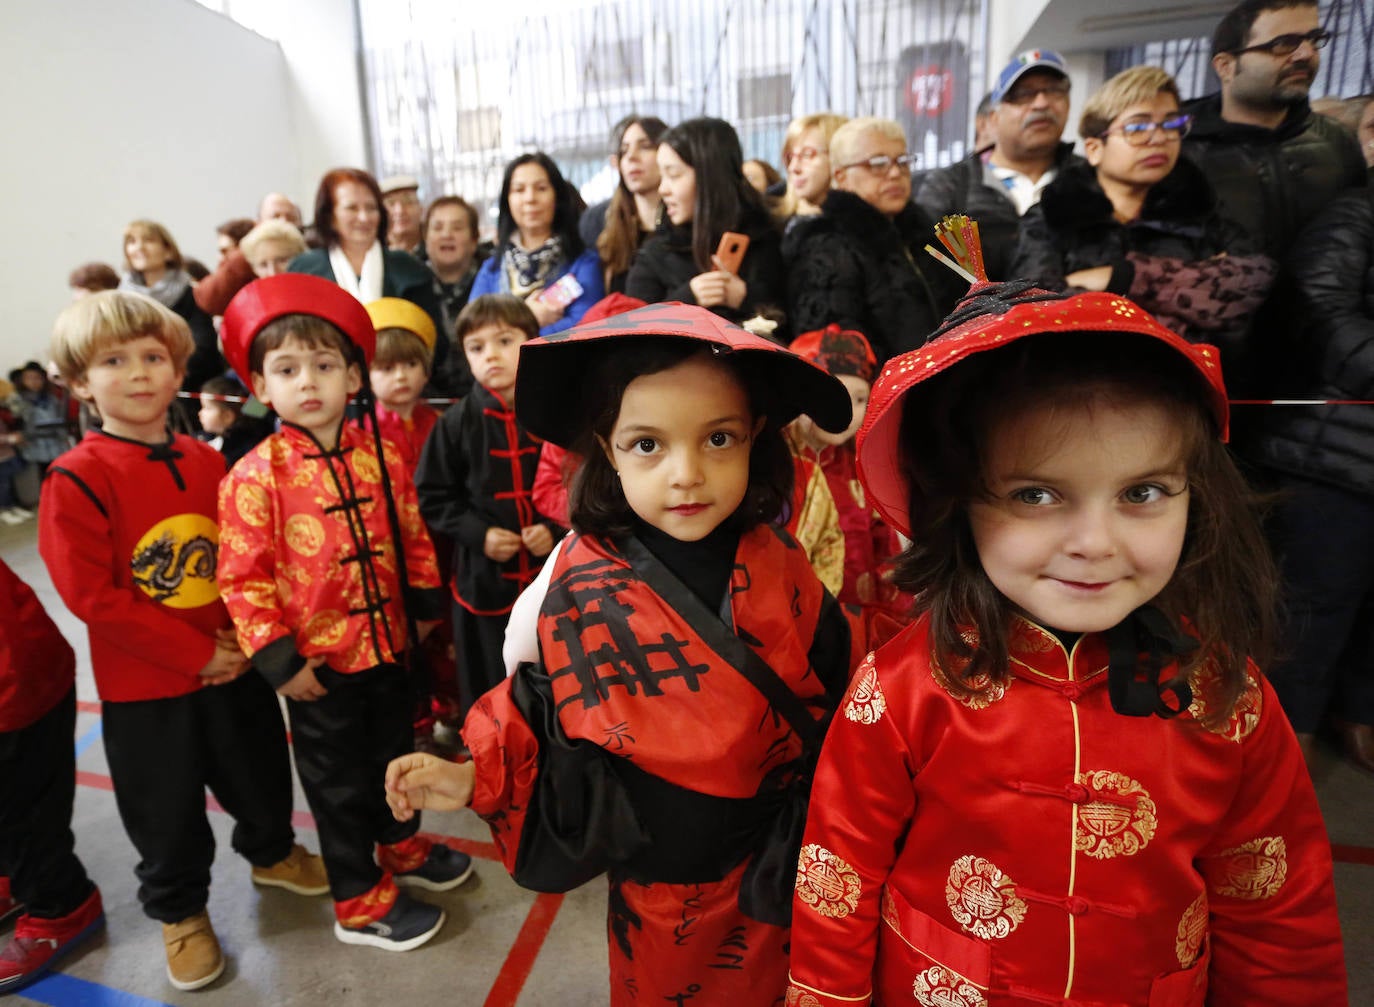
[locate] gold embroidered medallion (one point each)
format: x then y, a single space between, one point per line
1192 931
1113 828
827 883
889 911
1252 871
800 998
1205 683
982 899
937 986
866 702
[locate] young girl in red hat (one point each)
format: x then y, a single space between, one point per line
687 656
1065 783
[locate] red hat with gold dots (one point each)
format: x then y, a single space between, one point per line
269 298
992 316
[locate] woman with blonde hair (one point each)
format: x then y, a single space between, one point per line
1137 219
157 269
806 157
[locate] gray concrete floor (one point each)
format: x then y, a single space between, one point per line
501 945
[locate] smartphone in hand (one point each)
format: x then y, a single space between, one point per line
730 251
561 292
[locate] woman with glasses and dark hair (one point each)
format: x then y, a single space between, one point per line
1138 220
861 262
537 246
705 195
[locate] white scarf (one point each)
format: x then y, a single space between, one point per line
367 287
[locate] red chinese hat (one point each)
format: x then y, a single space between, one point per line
838 350
271 297
550 379
992 316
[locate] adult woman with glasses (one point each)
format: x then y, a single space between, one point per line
861 263
1137 220
705 194
806 158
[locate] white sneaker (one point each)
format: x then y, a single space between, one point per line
10 515
23 512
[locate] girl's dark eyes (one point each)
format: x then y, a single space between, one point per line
1145 493
1033 496
721 439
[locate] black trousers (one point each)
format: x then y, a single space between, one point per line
37 788
477 643
1324 537
343 742
163 753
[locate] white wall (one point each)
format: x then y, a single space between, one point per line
160 109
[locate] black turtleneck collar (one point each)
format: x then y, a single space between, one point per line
704 566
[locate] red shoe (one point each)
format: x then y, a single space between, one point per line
38 944
9 905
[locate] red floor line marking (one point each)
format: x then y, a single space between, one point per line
1343 854
528 942
305 820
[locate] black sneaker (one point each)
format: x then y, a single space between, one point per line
443 869
409 924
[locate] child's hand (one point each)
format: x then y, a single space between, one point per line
304 687
537 538
501 544
544 312
226 664
1094 278
420 780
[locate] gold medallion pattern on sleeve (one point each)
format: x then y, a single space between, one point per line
827 883
937 986
1192 931
1252 871
866 703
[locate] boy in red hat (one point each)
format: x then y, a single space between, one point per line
127 529
41 879
323 554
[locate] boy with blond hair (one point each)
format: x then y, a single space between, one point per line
324 557
127 530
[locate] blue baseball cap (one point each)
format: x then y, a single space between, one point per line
1022 64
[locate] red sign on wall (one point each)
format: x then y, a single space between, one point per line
930 90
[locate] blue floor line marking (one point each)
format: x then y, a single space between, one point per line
58 990
88 739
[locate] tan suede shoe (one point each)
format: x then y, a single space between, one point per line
194 958
301 872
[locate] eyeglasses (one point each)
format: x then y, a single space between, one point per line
1138 134
882 164
1026 95
1286 45
804 154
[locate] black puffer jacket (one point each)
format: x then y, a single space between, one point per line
1332 263
1168 260
664 268
968 187
1273 181
853 266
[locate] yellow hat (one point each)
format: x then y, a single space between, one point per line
396 313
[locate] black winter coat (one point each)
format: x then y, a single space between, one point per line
965 188
1332 262
1168 260
1273 181
664 267
853 266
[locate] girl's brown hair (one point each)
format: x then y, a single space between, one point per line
1225 584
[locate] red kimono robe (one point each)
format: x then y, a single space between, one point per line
410 435
644 677
1029 845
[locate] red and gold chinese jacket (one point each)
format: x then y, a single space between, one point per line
307 561
1029 845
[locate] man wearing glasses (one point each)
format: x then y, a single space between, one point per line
861 262
1272 161
1030 107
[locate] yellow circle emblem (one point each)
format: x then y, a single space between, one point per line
304 534
174 561
251 503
